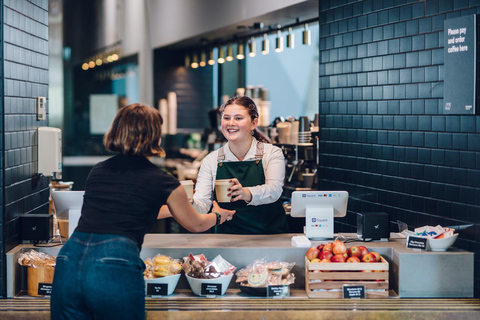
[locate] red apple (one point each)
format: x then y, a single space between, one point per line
363 250
325 261
328 247
338 258
355 252
377 256
325 255
345 255
312 253
320 247
339 247
369 257
316 260
353 260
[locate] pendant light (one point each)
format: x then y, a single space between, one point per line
211 60
187 60
229 53
279 42
203 59
306 35
290 39
252 47
194 64
221 55
265 44
240 51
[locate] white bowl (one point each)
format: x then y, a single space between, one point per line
171 281
196 284
441 244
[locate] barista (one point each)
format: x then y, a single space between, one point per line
255 167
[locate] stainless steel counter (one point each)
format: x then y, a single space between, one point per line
422 274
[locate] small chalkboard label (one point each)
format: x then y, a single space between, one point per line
353 292
211 289
157 289
278 291
416 243
44 289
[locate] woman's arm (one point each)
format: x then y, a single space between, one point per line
202 198
183 212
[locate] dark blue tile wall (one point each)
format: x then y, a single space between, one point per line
24 60
383 136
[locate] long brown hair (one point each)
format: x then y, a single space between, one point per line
136 130
252 109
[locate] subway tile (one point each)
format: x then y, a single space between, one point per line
438 157
431 139
418 42
467 124
459 141
405 44
405 106
393 107
473 142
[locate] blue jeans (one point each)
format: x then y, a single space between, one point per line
98 276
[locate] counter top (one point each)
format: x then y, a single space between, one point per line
413 273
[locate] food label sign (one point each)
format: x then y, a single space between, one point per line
211 289
460 66
353 292
416 243
157 289
44 289
279 291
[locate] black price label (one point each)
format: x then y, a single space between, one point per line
416 243
44 289
211 289
278 291
353 292
157 289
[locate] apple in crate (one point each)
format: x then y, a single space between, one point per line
363 250
369 257
325 255
355 252
328 247
312 253
377 256
353 260
339 247
338 258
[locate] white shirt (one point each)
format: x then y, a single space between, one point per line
273 166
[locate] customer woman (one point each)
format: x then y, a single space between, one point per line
255 167
99 273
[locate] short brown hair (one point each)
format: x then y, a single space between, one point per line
136 130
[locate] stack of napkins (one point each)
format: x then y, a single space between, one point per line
437 232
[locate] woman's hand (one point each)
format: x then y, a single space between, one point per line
225 214
238 192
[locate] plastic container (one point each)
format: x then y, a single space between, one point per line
171 281
196 284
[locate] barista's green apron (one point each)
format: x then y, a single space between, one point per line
262 219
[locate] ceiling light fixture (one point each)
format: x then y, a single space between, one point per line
211 60
279 42
221 55
240 51
229 53
265 44
306 35
203 59
194 64
290 39
187 60
252 47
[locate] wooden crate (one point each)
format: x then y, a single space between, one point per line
326 280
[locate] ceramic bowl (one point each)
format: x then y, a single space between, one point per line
196 284
441 244
172 282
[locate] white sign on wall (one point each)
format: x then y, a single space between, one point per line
103 108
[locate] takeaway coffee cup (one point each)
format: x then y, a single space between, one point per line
221 186
188 185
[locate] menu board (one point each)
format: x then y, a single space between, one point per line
460 65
